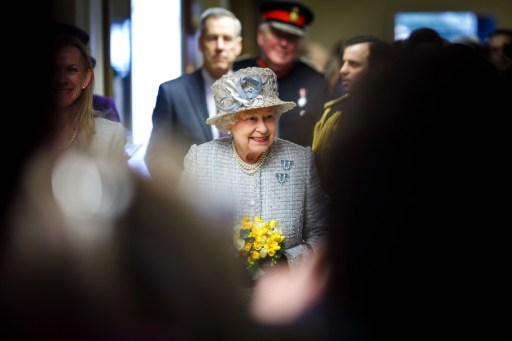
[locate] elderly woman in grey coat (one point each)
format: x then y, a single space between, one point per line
252 170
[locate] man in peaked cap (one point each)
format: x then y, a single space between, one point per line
282 28
288 16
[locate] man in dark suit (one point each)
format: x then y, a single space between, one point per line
183 104
283 25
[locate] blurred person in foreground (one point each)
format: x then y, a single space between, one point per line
280 34
93 251
183 104
253 172
413 167
361 56
36 119
81 127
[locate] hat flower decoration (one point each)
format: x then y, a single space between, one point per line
246 89
245 92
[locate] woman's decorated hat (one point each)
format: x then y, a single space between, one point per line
246 89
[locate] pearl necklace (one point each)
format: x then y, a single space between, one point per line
72 139
248 168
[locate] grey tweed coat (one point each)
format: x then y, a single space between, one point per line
286 188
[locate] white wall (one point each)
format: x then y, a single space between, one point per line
156 58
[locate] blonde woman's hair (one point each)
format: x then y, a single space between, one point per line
83 107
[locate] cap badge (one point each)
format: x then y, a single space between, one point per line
294 14
246 92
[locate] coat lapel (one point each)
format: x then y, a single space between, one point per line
196 91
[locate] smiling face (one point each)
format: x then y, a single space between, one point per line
254 132
70 76
279 48
219 45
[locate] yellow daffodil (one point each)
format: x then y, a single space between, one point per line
259 241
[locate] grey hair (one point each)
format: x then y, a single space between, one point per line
215 12
225 122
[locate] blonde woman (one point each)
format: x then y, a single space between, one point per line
80 126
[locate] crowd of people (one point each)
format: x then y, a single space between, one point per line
386 199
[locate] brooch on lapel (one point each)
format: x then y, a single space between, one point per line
301 102
286 164
282 177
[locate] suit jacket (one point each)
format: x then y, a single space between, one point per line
286 188
178 119
306 87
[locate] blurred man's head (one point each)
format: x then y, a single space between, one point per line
496 43
220 40
283 24
424 40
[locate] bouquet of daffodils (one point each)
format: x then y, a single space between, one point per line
259 242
